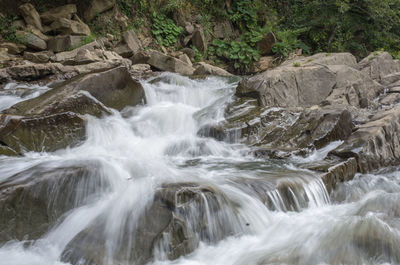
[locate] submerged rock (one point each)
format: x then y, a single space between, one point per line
180 216
33 200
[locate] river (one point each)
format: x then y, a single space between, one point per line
128 156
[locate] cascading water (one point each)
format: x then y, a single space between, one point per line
107 197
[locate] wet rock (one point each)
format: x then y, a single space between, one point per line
30 15
207 69
376 143
266 44
177 219
341 172
13 48
38 57
53 14
64 43
167 63
97 7
54 120
31 40
70 27
379 64
199 41
32 201
289 86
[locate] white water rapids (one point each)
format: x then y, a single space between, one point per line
133 153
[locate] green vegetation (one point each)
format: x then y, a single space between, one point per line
165 30
7 29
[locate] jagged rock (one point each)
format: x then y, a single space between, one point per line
133 42
289 86
167 63
207 69
353 87
317 81
31 40
64 43
30 15
96 7
184 58
33 200
379 64
13 48
266 44
325 59
189 28
176 221
66 57
376 143
341 172
263 64
38 57
199 40
70 27
5 57
85 56
53 120
53 14
223 30
37 32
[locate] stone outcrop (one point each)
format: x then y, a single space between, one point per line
38 57
266 44
54 120
379 64
64 43
199 40
13 48
322 78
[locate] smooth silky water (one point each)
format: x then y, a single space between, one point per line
278 213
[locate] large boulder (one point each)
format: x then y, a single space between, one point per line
31 40
289 86
67 56
132 41
96 7
177 219
66 26
30 15
207 69
167 63
379 64
54 120
376 143
32 201
64 43
53 14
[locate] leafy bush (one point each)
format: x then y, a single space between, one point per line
165 30
244 14
289 42
7 30
239 53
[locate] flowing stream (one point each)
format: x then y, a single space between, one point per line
265 212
